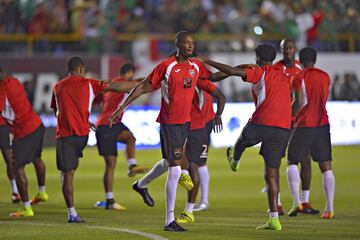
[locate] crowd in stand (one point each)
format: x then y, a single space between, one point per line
98 21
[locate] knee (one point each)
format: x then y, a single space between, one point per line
131 139
110 164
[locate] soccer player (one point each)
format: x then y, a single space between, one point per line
6 150
177 76
72 100
28 132
107 137
269 124
196 151
291 67
312 130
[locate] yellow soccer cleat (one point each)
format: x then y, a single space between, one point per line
186 217
40 197
23 212
271 224
135 169
186 182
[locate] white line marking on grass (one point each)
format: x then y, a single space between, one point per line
125 230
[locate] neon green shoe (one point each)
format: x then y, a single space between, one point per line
234 165
40 197
271 224
186 217
23 212
186 182
295 210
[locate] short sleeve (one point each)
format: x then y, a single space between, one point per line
157 75
204 73
296 81
207 86
97 86
253 75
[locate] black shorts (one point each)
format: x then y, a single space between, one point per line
106 138
273 141
316 140
68 152
197 146
5 138
27 149
173 138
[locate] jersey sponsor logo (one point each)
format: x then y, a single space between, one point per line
177 152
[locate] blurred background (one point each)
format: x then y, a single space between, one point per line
37 36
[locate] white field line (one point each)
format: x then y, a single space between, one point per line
125 230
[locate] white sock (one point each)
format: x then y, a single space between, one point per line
305 196
109 195
184 171
204 183
170 190
329 189
41 189
26 204
189 207
279 201
274 214
158 169
13 185
131 161
293 178
72 211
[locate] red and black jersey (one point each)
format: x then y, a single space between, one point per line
72 100
271 92
177 82
16 109
110 102
315 85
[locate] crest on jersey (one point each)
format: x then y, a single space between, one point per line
192 72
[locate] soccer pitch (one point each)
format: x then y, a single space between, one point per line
236 204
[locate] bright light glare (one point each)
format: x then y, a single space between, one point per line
258 30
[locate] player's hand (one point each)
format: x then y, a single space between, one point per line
218 126
93 127
115 115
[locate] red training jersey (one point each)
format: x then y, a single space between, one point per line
2 121
111 100
72 100
177 82
16 109
271 91
315 85
200 105
289 71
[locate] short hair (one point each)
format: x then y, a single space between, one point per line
126 67
73 63
180 35
266 52
285 40
307 55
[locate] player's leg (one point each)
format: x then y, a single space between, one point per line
127 137
204 188
321 153
249 137
187 215
68 152
173 141
8 157
40 170
185 178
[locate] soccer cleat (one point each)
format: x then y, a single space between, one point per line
40 197
174 227
234 165
111 204
23 212
202 206
135 169
75 219
280 210
271 224
144 194
295 210
186 182
15 197
327 215
186 217
307 209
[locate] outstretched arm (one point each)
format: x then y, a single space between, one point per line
121 86
220 98
227 69
138 90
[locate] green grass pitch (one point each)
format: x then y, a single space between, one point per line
236 204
